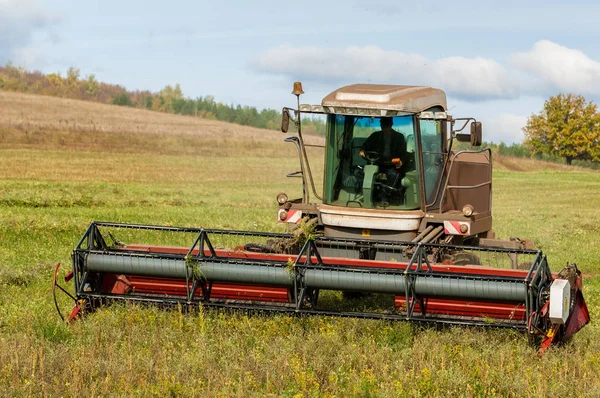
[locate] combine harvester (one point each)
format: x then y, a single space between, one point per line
402 214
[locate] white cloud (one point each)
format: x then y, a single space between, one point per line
546 69
20 20
506 127
28 56
470 78
559 68
473 78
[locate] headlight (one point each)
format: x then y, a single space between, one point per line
467 210
282 198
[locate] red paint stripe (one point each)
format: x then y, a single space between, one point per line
469 308
176 287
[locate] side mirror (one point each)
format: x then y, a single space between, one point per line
476 135
285 120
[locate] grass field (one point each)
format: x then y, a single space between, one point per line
54 180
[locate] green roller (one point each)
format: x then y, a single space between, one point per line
276 274
473 289
133 265
426 285
354 281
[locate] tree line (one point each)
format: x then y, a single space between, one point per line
521 150
169 100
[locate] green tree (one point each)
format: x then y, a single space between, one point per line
122 100
189 107
73 76
91 86
568 126
148 102
168 99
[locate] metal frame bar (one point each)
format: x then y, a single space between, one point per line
301 173
446 156
410 278
304 161
419 160
172 301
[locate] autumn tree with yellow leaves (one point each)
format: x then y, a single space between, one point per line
568 126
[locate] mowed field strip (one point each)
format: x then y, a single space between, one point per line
64 163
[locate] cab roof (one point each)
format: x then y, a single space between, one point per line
409 99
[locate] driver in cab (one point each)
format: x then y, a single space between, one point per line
389 147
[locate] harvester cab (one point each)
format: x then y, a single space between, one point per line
401 214
391 171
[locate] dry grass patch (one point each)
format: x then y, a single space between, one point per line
510 163
33 114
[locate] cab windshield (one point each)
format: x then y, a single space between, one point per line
370 162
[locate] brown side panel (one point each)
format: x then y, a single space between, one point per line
469 169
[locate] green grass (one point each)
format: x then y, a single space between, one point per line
49 195
558 211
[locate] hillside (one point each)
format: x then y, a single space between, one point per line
511 163
170 99
27 113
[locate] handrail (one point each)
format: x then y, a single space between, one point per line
298 142
469 186
305 156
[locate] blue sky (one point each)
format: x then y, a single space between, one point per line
496 60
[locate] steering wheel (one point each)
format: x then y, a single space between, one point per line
371 156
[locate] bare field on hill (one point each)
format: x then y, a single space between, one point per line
35 113
53 186
509 163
